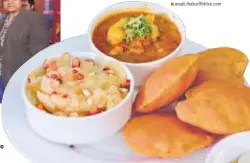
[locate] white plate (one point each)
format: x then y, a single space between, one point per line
230 148
37 149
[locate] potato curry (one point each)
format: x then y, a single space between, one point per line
137 37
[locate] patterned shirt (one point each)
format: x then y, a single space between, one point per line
3 33
2 16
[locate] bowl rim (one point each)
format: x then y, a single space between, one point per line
159 61
85 118
223 142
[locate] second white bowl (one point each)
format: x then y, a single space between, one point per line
140 71
80 130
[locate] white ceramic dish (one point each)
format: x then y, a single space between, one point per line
40 150
230 148
245 157
139 70
79 130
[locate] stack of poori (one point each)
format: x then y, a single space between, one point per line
216 103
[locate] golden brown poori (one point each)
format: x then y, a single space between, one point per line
163 135
217 107
166 84
222 63
207 93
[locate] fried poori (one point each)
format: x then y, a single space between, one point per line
217 107
166 84
163 135
222 63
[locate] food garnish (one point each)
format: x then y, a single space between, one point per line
72 87
136 27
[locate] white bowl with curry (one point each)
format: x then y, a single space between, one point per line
142 35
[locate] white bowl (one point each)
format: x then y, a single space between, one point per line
140 71
80 130
229 148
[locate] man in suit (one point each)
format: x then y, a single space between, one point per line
22 35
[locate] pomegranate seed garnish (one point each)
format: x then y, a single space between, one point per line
106 68
53 93
76 62
80 76
65 95
75 71
125 84
95 111
53 76
83 113
40 106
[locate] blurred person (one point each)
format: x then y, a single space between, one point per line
48 12
2 12
29 5
22 35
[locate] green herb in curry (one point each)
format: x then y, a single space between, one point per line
136 27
